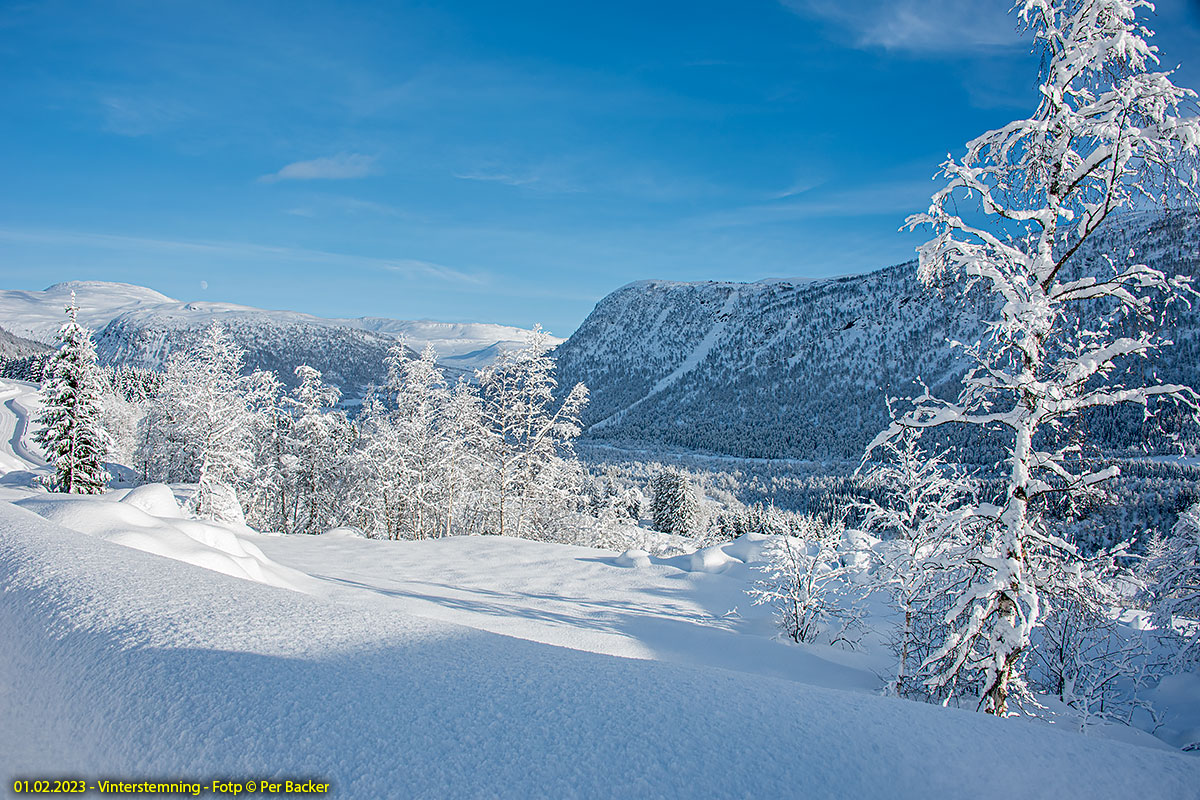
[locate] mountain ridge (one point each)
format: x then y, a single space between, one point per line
802 369
140 327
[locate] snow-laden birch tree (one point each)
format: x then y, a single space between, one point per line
315 438
1110 133
205 423
422 403
70 421
466 437
527 435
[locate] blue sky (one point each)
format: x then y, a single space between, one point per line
507 162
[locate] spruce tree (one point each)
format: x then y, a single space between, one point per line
70 430
673 504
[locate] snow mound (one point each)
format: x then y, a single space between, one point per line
856 553
155 499
633 558
748 547
711 559
344 532
745 549
196 542
1180 695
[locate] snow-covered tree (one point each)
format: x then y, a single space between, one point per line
203 427
376 504
267 491
1174 586
119 418
70 421
422 400
1110 133
410 449
610 501
674 506
807 581
315 438
528 434
918 520
465 438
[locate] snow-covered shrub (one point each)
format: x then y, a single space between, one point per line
916 515
807 580
1083 656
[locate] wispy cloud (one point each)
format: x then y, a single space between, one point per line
798 187
338 167
593 172
324 205
127 115
411 267
892 197
924 26
506 178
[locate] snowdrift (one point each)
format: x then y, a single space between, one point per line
121 663
148 518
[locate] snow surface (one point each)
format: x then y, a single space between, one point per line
125 521
124 663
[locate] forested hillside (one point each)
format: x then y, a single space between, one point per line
791 369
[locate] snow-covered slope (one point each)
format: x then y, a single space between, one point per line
801 369
39 315
140 327
14 347
122 663
774 369
466 345
277 341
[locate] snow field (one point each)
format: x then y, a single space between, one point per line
124 663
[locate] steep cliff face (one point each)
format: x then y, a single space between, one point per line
801 369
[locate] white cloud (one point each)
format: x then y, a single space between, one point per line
498 177
339 167
929 26
411 267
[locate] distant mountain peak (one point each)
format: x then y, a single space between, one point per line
141 327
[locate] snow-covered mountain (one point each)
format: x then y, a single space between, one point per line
16 347
801 369
39 315
466 345
140 327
